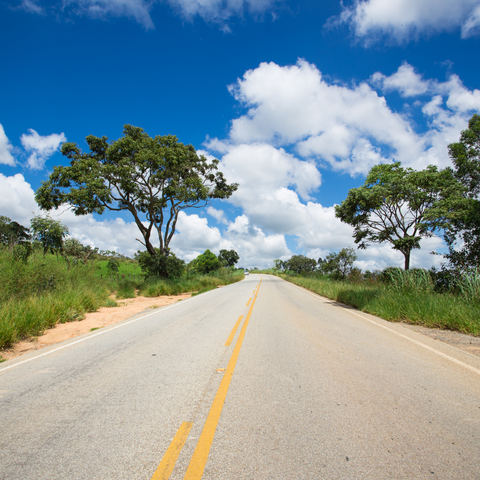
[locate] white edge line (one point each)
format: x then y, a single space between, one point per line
4 369
431 349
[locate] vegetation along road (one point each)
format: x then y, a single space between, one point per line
258 380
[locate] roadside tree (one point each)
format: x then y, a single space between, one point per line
401 206
228 257
463 233
153 179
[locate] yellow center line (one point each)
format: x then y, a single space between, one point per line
200 455
230 338
167 464
248 302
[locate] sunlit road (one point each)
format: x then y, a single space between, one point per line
257 380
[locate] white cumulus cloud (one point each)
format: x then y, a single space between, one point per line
6 148
403 20
40 148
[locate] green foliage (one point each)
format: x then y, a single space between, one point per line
339 265
299 264
161 265
12 233
22 251
112 265
154 286
413 305
39 293
228 257
74 252
49 232
205 263
148 177
463 234
400 206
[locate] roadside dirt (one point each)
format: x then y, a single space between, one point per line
101 318
465 342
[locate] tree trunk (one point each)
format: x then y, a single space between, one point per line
407 259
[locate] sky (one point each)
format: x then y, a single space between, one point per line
298 99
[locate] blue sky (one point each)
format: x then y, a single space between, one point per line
297 98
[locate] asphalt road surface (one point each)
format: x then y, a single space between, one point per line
256 380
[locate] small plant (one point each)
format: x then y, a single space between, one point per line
95 328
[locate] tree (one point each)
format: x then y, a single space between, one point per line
228 257
73 249
340 265
153 178
167 266
12 233
400 206
49 232
206 262
300 264
463 233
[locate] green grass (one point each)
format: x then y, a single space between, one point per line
38 295
415 302
125 267
43 292
154 287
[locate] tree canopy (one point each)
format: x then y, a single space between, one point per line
49 232
400 206
340 264
228 257
152 178
463 234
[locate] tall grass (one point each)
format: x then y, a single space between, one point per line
407 296
154 287
39 294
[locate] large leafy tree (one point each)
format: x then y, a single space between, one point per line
400 206
228 257
152 178
463 234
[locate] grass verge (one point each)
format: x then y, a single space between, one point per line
412 305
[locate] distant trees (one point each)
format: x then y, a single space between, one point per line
12 233
339 265
49 232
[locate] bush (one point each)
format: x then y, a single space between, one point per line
160 265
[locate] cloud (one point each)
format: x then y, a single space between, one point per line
348 128
405 80
6 149
31 6
17 199
218 215
139 10
219 11
41 148
403 20
212 11
295 105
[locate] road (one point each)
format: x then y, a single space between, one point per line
305 389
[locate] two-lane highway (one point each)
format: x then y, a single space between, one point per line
256 380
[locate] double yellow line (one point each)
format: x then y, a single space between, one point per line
200 455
